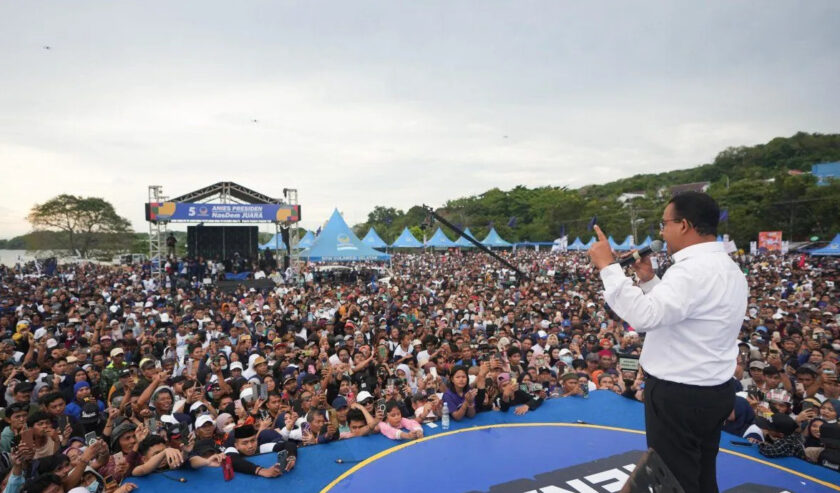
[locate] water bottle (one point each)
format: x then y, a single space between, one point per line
445 418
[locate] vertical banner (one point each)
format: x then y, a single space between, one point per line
770 241
753 248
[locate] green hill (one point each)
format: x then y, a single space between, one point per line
754 184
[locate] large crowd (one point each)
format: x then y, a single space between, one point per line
109 372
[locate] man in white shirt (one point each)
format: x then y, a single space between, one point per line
692 317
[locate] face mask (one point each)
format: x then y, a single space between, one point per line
93 487
566 359
224 367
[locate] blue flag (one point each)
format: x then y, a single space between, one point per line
562 230
389 220
724 215
512 222
593 222
318 232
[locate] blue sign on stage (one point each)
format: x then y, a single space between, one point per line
184 211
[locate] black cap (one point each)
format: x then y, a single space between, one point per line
90 413
777 422
807 368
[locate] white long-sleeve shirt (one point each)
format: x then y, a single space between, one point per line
692 315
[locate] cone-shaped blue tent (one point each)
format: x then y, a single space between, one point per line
274 243
338 243
373 240
612 243
439 240
590 243
832 249
644 243
576 245
719 237
406 240
463 242
307 240
626 245
494 240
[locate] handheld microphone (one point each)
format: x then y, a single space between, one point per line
654 247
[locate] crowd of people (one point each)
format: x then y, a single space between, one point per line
109 372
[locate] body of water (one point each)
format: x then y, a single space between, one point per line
12 257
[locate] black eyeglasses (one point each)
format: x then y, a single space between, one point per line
664 221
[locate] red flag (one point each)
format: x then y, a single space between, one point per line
802 261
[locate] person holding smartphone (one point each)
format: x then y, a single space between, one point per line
459 398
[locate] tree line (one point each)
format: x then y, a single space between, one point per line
760 188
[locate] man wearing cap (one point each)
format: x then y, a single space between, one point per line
111 373
780 437
246 444
692 317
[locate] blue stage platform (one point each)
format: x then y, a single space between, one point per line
573 445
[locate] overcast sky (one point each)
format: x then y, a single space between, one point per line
393 103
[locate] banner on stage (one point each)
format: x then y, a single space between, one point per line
186 211
770 241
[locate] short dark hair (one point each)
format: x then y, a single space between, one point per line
40 483
49 398
149 442
39 416
355 415
699 209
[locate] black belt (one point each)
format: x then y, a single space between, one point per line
688 385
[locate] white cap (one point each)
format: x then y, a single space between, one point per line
247 393
203 420
236 365
51 343
169 419
363 395
40 333
116 351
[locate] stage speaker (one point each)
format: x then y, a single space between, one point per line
222 242
652 475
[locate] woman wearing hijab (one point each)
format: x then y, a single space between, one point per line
407 375
741 417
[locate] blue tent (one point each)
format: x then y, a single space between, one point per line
494 240
338 243
274 243
406 240
307 240
590 243
373 240
576 245
626 245
612 243
644 243
463 242
439 240
832 249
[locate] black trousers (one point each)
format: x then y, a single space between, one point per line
683 424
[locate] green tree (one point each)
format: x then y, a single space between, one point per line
88 223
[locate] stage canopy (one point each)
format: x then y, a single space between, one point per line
307 240
494 240
463 242
589 243
576 245
406 240
338 243
439 240
645 243
276 243
626 245
832 249
373 240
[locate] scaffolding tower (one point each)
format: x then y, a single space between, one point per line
157 230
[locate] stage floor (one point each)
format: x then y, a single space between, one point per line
551 449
